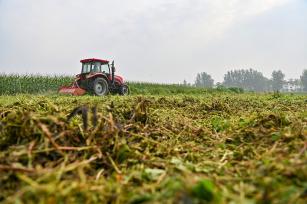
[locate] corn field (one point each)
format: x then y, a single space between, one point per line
13 83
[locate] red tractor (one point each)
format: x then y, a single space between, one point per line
97 77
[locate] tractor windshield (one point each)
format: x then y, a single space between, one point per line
95 67
105 68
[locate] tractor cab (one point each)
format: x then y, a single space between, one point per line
95 66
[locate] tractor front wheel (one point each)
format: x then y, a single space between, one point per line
124 90
100 87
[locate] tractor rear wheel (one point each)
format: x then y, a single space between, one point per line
100 87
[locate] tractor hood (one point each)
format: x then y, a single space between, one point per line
118 79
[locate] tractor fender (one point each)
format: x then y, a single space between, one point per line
93 77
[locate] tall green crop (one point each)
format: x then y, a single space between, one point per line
14 83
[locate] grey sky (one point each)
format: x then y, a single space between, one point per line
154 40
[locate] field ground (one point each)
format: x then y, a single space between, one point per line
199 148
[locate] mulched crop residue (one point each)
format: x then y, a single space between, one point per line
171 149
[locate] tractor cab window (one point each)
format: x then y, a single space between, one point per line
96 67
86 68
91 67
105 68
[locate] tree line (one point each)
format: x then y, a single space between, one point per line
251 80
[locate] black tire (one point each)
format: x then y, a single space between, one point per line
124 90
100 87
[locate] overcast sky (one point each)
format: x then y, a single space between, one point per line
154 40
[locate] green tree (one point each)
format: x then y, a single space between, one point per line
247 79
278 79
304 80
185 83
204 80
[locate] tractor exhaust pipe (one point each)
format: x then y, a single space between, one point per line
113 71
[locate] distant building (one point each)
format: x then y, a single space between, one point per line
291 87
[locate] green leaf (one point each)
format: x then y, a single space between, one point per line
204 190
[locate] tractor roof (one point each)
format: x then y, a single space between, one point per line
94 60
